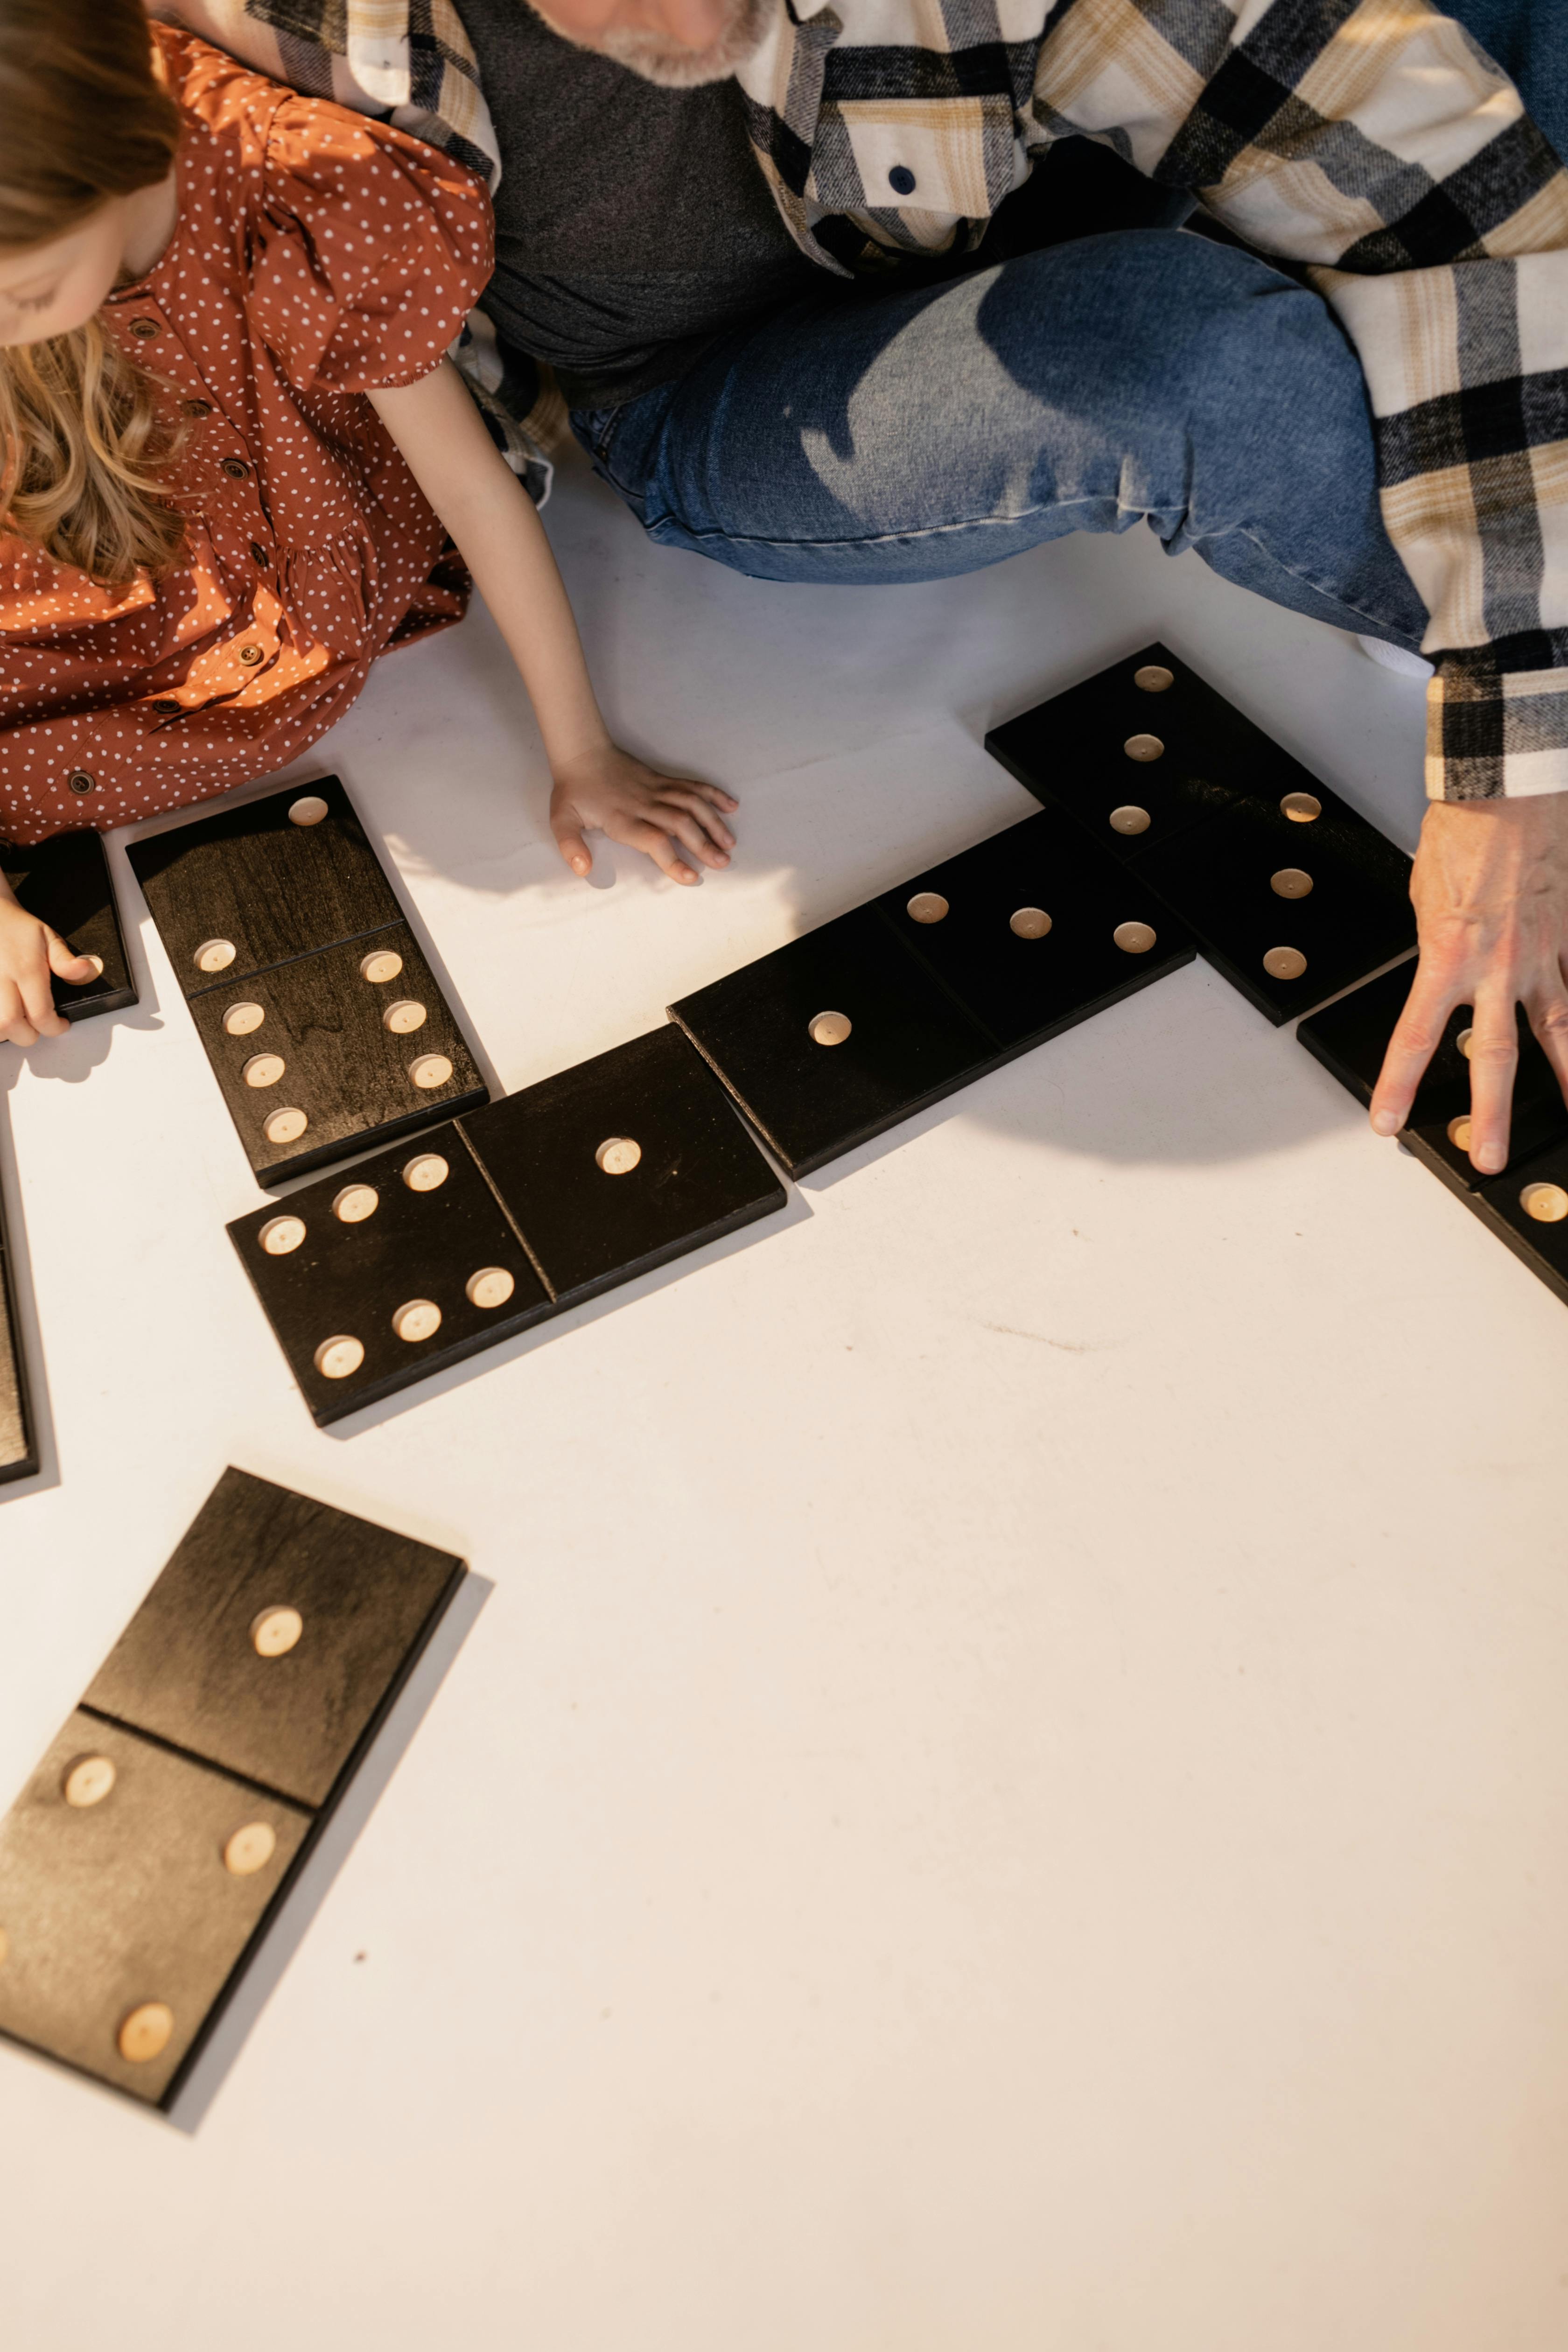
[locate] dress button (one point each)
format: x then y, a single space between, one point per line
80 782
901 180
259 553
145 329
236 470
165 709
197 407
250 656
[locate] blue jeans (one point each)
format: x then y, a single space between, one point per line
1139 376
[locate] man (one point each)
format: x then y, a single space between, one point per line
820 317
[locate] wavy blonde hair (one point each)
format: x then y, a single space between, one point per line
86 118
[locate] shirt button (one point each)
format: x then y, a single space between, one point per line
901 180
259 553
197 407
165 709
80 782
250 656
145 329
236 470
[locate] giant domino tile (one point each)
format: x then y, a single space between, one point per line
324 1026
512 1213
65 882
161 1833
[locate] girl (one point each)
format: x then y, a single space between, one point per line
231 452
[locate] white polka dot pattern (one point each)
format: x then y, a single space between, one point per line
317 255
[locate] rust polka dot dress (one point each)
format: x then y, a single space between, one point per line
316 256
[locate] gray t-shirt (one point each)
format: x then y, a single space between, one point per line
632 224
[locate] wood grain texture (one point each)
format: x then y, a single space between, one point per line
273 888
699 1175
1023 990
66 883
1217 829
352 1279
186 1671
1351 1038
126 1901
343 1068
909 1044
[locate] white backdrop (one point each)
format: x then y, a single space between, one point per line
1001 1782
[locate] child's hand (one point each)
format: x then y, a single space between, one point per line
615 793
29 952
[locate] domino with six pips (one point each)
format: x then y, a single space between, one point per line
323 1023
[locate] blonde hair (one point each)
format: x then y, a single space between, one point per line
86 118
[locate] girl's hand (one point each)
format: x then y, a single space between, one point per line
29 952
609 790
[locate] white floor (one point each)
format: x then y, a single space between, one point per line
1007 1792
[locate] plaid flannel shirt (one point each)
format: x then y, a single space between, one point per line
1368 139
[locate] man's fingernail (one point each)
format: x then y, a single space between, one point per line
1490 1160
1384 1123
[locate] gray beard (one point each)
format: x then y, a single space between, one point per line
669 64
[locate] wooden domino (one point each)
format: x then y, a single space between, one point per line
151 1848
377 1277
18 1448
1036 931
1351 1038
835 1038
65 882
1292 895
619 1165
316 1056
322 1020
1135 754
388 1271
1527 1209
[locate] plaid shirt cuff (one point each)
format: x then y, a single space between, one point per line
1496 721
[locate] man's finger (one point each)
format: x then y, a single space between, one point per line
1417 1034
1494 1058
1549 1019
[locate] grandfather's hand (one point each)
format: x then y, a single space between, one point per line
1490 890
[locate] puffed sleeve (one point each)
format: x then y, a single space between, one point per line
369 251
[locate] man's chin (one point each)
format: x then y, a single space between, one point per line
669 63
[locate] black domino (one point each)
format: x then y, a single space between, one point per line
361 1057
252 880
835 1038
65 882
303 977
424 1225
1292 895
622 1163
1073 750
1036 931
153 1846
18 1445
1351 1038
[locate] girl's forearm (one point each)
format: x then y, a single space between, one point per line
498 534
